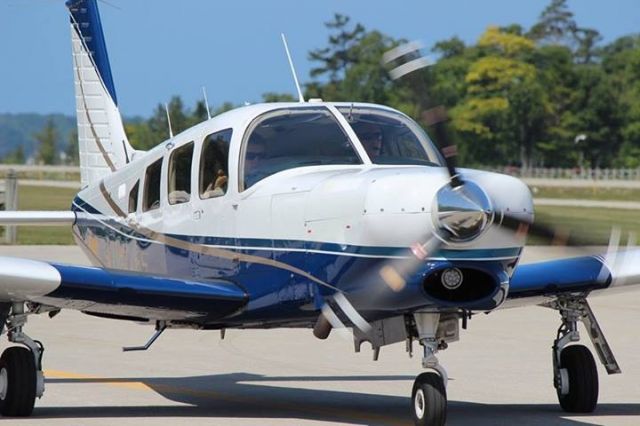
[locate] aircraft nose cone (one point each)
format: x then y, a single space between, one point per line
462 213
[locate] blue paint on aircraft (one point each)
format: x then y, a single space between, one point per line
85 14
558 276
117 292
276 293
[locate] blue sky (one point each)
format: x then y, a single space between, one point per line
164 47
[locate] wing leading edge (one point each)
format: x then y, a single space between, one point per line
536 283
117 293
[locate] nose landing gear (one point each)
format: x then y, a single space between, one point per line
21 377
429 398
429 394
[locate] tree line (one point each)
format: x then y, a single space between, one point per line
548 96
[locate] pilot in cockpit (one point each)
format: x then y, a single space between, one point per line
370 135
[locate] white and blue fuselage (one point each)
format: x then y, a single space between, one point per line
293 236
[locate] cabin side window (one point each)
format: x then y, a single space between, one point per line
133 197
179 184
151 199
214 164
286 139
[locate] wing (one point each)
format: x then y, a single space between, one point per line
38 218
119 294
536 283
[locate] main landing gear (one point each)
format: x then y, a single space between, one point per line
575 376
21 378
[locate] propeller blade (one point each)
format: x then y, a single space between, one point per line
405 60
548 233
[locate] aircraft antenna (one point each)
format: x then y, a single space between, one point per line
206 102
166 108
293 69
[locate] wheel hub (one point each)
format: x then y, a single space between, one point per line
419 404
4 382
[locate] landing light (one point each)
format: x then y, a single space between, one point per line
452 278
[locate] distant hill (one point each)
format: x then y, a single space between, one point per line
19 129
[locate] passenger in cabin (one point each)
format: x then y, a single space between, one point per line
371 137
218 186
214 165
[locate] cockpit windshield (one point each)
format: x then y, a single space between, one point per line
289 138
390 137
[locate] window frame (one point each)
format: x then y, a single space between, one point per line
202 160
171 162
136 199
158 162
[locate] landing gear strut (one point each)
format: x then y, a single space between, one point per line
429 395
21 378
575 376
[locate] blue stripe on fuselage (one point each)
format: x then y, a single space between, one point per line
236 243
275 292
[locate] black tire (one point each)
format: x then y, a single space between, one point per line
583 380
429 400
18 366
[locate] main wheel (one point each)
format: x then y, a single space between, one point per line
429 398
17 382
583 380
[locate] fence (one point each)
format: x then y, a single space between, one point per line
72 173
64 173
575 173
9 201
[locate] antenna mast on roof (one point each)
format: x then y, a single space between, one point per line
206 102
293 69
166 108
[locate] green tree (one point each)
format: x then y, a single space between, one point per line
278 97
72 151
587 51
15 157
335 59
47 139
505 101
555 25
339 55
621 64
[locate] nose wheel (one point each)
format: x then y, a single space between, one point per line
429 394
429 399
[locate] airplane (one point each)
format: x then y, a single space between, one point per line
310 214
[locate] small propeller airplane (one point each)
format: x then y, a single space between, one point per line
311 214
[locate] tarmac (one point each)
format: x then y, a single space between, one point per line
500 371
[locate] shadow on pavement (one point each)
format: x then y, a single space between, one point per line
242 395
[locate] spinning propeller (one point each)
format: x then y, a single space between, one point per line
462 211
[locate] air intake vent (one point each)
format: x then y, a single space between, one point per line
475 285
